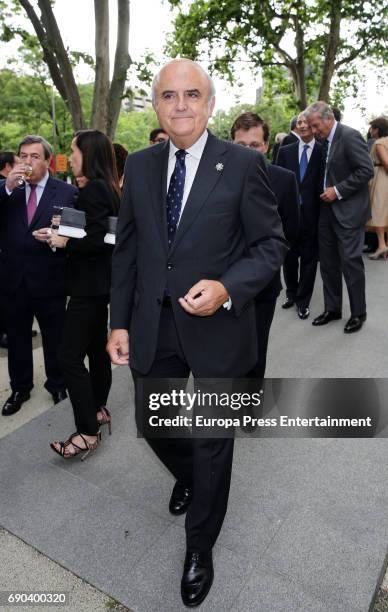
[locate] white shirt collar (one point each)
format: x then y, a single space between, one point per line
332 132
195 150
43 181
310 143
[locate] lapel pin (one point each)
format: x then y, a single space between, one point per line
219 167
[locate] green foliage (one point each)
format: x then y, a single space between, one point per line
26 106
291 34
134 127
276 114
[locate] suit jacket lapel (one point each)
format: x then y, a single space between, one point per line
295 160
46 199
20 197
311 163
205 180
158 188
334 142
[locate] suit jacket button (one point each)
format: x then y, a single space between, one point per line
170 266
158 301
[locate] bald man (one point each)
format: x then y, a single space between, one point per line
198 237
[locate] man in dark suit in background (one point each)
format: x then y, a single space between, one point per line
251 131
293 135
7 162
157 136
304 159
31 274
186 269
345 208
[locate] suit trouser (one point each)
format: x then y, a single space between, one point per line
300 266
21 308
264 315
340 252
203 464
85 333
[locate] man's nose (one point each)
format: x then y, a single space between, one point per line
181 103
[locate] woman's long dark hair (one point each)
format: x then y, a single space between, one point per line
98 157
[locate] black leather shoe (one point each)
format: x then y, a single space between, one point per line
354 324
303 312
288 303
14 402
3 341
326 317
197 577
180 499
58 396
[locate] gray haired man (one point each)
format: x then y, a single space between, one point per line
345 208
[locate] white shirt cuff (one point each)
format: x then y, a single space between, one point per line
228 304
8 192
339 196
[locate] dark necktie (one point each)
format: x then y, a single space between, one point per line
175 194
303 162
325 148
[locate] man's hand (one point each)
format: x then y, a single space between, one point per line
329 195
42 234
57 241
15 175
204 298
118 346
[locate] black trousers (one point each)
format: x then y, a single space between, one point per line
85 334
20 310
264 315
300 266
204 464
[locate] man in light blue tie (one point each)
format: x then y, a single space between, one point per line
304 159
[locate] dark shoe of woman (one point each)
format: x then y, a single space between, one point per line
104 418
70 448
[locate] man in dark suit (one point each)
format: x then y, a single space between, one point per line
304 159
292 136
7 162
251 131
186 269
345 208
31 274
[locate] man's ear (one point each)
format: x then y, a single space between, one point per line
211 105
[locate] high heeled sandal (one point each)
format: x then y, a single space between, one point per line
66 454
105 418
379 254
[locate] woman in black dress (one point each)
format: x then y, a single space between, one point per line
88 285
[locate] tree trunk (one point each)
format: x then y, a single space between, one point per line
122 63
101 83
48 55
331 50
56 47
300 83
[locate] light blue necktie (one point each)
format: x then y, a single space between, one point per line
303 162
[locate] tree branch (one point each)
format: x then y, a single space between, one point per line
122 63
48 55
55 43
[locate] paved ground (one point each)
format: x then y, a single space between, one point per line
307 527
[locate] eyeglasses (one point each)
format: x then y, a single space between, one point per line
159 140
